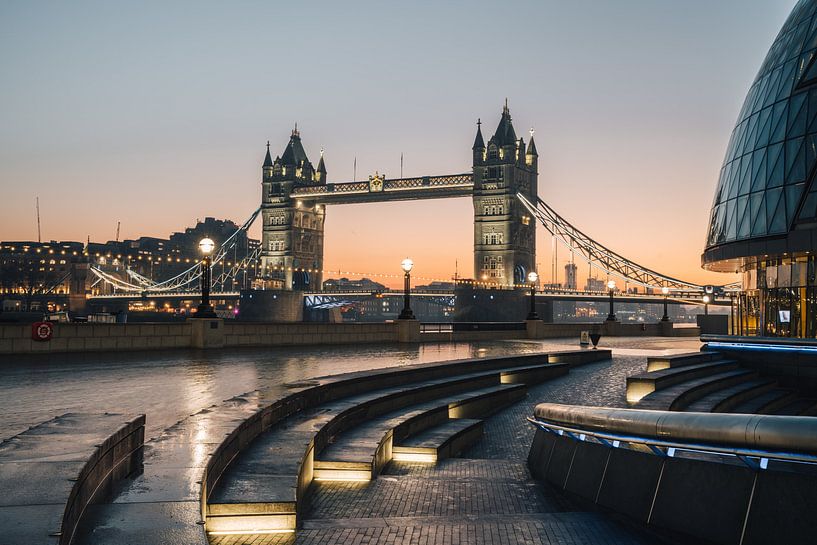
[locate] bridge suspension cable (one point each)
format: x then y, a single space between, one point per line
594 253
185 279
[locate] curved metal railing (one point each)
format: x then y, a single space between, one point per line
755 439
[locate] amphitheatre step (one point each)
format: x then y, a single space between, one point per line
721 401
797 407
765 403
51 472
535 374
679 396
644 384
362 452
658 363
445 440
265 488
581 357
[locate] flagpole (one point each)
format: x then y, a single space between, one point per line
354 171
401 165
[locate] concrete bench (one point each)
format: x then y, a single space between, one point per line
445 440
643 384
51 472
657 363
678 396
723 400
362 452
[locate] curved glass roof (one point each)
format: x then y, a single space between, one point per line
765 184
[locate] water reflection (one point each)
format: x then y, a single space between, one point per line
170 386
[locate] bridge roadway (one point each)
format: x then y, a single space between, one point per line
548 295
487 497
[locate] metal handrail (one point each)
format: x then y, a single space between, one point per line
788 438
612 440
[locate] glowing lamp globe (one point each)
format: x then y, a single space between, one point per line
206 245
533 277
407 265
665 290
611 285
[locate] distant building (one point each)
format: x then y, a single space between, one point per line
570 276
37 268
30 268
595 284
763 221
437 285
343 284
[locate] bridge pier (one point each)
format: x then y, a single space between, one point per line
206 332
408 331
271 306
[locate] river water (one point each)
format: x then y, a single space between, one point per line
170 385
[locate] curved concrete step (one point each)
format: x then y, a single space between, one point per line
768 401
658 363
445 440
643 384
721 401
269 482
50 473
363 451
797 407
677 397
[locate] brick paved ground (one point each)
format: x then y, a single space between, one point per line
485 498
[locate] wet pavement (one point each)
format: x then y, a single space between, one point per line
193 398
488 495
171 385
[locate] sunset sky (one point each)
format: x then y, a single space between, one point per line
155 114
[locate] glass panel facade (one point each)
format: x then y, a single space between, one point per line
766 182
779 299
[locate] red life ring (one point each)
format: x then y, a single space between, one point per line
42 331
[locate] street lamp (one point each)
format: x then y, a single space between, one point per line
611 287
406 313
706 299
205 309
665 291
532 278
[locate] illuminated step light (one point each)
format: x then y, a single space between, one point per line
249 532
425 457
350 475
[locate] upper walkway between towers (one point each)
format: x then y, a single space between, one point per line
380 188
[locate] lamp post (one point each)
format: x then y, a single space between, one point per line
205 309
611 287
706 300
406 313
665 291
532 278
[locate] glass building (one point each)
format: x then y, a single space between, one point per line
764 214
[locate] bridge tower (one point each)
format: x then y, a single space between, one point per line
504 232
292 252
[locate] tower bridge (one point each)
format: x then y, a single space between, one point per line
506 207
295 195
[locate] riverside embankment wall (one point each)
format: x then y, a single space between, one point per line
205 333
